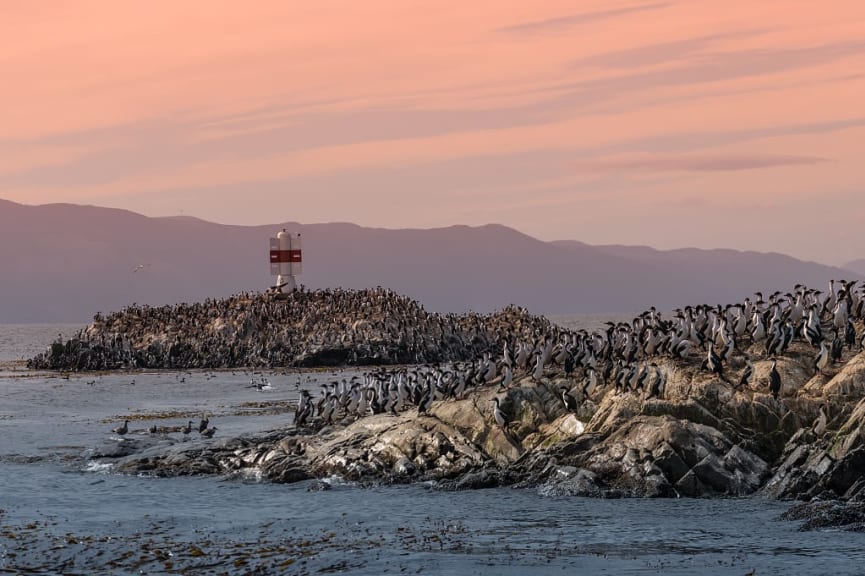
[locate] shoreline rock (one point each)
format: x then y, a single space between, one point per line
652 413
703 444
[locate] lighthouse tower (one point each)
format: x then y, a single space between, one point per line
285 260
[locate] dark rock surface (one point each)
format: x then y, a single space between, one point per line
846 515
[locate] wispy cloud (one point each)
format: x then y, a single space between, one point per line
564 23
692 163
705 69
662 52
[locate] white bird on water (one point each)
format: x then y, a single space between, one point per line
139 267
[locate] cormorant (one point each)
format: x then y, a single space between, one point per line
822 359
569 401
499 416
774 379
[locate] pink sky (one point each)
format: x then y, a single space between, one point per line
735 124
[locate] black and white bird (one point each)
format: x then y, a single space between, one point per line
811 330
202 426
188 428
822 359
656 390
426 400
836 352
507 378
713 362
208 432
304 408
499 416
539 367
569 401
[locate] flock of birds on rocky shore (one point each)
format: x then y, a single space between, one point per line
306 328
473 350
622 356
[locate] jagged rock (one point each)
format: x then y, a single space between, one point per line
484 478
828 514
570 481
834 462
704 435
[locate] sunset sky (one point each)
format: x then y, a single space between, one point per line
735 123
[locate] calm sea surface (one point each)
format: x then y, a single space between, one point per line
61 513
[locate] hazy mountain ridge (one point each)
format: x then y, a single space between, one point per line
65 262
857 266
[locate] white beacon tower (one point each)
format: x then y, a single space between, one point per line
285 260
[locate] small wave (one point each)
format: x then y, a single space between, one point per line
337 481
98 467
253 474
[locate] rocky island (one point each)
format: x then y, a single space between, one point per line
758 397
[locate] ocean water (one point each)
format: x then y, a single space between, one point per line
63 513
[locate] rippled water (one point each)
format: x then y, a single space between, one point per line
22 341
61 513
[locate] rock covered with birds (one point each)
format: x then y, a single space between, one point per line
757 396
305 328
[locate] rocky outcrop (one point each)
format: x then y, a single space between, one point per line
305 329
844 514
704 437
827 460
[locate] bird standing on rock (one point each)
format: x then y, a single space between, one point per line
822 359
499 416
713 362
539 367
774 379
569 401
656 390
507 378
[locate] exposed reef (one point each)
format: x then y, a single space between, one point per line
703 438
764 398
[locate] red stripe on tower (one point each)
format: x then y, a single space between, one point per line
285 256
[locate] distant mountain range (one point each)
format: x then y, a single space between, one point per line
63 263
857 266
